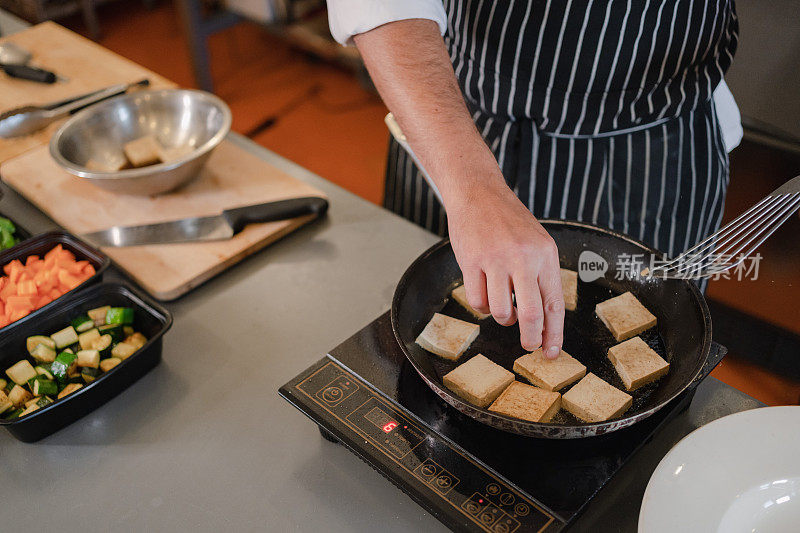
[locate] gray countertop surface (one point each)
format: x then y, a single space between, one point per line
203 441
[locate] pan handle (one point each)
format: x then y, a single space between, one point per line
715 356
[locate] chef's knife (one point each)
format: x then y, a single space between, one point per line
213 228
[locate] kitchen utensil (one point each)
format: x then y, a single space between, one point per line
212 228
30 119
399 136
175 117
40 245
682 336
151 320
14 61
13 54
737 474
736 241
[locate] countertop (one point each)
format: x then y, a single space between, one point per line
204 442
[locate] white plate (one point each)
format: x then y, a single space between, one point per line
740 473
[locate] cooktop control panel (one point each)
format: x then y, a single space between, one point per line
452 485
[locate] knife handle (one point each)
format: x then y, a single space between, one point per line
239 217
26 72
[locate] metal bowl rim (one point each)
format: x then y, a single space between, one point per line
148 170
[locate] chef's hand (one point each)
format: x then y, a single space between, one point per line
503 250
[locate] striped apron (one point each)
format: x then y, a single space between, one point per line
597 110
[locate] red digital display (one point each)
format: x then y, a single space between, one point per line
389 426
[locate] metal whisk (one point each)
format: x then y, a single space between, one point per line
732 244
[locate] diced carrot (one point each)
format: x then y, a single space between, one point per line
16 315
27 288
89 271
9 290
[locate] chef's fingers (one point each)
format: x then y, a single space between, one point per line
499 285
529 309
553 303
475 287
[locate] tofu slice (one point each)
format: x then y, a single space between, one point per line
569 285
549 374
142 151
594 400
625 316
459 294
527 402
168 155
448 337
478 381
637 364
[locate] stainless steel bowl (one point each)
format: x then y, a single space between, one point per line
193 122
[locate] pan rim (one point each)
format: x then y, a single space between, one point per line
541 429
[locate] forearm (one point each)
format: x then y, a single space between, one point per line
410 67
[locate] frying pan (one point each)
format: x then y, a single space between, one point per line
682 335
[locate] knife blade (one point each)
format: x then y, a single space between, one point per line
210 228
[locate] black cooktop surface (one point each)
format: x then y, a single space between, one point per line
471 476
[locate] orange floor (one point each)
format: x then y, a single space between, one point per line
334 127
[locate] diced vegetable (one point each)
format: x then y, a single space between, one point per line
115 330
5 403
44 354
83 323
7 231
119 315
14 414
32 401
65 361
128 331
3 384
42 371
108 364
29 410
86 340
137 340
99 315
42 386
103 344
89 374
44 400
123 350
69 389
21 372
38 281
19 395
89 358
36 340
65 337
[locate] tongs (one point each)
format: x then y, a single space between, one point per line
30 119
731 245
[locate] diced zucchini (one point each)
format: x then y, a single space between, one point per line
62 365
98 315
14 414
42 386
83 323
43 353
5 403
87 339
115 330
137 339
42 371
120 315
19 395
103 345
89 358
32 401
21 372
123 350
89 374
128 331
29 410
44 400
65 337
36 340
108 364
69 389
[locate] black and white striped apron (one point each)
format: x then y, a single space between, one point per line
597 111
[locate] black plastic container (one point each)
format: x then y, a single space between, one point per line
22 233
40 245
151 320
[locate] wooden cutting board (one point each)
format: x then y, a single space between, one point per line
86 64
232 177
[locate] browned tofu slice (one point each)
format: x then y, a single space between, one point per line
569 285
527 402
459 294
448 337
625 316
142 151
637 364
594 400
479 381
549 374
